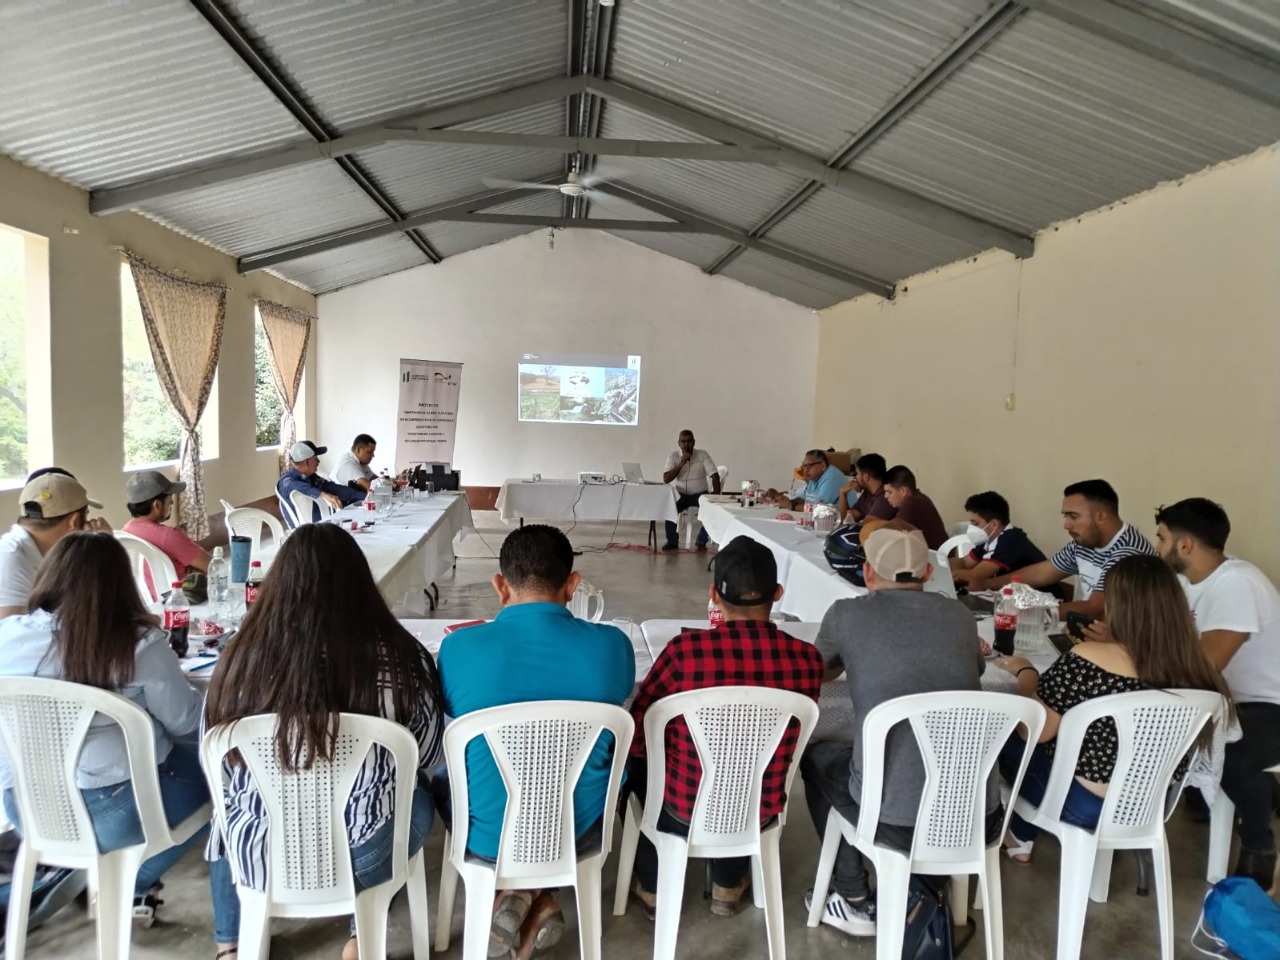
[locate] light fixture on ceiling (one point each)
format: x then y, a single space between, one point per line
573 187
607 3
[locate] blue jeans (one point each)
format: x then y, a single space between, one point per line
114 814
370 862
1081 809
683 503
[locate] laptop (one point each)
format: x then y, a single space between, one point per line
633 474
941 581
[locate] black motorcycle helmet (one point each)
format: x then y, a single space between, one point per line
843 550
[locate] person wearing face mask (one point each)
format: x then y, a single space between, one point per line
999 546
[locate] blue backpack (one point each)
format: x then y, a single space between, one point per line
1240 917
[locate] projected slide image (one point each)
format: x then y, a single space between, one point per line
577 388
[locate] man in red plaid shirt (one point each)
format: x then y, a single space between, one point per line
746 650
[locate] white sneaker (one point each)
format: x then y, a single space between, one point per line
856 919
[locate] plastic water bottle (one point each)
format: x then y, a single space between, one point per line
219 575
371 502
177 619
1006 622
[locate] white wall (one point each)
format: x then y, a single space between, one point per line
1141 343
733 364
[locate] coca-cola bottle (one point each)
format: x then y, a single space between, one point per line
714 614
177 619
253 584
1006 621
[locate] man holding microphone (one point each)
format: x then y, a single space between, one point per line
692 472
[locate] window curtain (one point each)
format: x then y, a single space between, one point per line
184 320
288 331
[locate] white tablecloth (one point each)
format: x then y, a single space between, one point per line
570 500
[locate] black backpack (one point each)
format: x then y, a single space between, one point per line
930 934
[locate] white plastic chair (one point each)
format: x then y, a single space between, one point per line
540 750
249 521
309 852
43 723
724 472
144 557
960 734
1222 820
736 731
302 504
688 525
286 510
960 544
1156 729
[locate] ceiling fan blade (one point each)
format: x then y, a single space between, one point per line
517 184
602 173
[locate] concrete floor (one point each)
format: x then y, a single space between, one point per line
639 586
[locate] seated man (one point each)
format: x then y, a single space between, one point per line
747 650
52 505
913 506
535 649
896 641
1237 611
353 466
692 473
868 483
999 546
1099 539
305 459
823 483
149 495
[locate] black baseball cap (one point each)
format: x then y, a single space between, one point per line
746 573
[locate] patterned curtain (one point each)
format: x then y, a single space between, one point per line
288 331
184 320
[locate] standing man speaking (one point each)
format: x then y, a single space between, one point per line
692 472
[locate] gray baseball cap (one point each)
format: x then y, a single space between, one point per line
148 484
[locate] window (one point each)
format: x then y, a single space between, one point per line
152 434
266 399
25 415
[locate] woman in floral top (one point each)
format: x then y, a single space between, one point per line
1154 645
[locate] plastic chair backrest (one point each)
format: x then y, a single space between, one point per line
736 731
144 556
227 506
303 506
249 521
960 543
310 861
960 734
1156 729
724 472
43 723
540 750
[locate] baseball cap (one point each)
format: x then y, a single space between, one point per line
305 450
900 555
54 495
148 484
746 573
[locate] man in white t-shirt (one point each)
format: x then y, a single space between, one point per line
1099 540
692 473
353 466
52 506
1237 611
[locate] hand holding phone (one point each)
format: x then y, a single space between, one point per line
1076 622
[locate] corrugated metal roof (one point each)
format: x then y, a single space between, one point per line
268 210
1253 24
545 203
363 62
604 207
103 93
451 237
326 272
807 73
789 281
419 175
696 249
839 228
1049 122
739 194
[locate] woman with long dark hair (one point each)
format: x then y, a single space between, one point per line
87 624
1154 646
319 641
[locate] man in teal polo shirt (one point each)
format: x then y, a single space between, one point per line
823 482
535 649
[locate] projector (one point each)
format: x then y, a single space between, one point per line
591 476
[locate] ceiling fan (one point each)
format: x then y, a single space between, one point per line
574 185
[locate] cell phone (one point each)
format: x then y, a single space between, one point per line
1076 622
1062 641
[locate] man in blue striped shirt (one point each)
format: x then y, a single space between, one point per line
1099 539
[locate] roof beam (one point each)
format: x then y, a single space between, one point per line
246 48
124 197
1177 44
974 39
877 285
264 259
640 226
733 153
893 200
